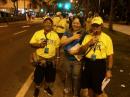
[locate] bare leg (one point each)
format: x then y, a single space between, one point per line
84 93
90 93
102 95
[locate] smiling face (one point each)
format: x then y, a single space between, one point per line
76 25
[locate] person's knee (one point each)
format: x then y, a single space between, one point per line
84 93
76 70
76 74
76 81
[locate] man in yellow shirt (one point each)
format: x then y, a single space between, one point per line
62 25
98 48
56 20
47 43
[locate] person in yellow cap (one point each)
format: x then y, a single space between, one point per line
61 25
56 20
46 42
97 48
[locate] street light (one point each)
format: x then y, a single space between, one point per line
67 6
60 5
42 10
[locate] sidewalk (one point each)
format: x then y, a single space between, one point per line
121 28
33 21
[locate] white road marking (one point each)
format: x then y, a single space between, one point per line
4 26
19 32
25 26
25 86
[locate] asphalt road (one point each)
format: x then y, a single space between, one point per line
14 56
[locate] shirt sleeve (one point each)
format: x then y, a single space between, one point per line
68 34
34 38
57 41
85 40
109 47
65 34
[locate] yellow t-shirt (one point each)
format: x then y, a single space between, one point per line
63 23
102 49
53 42
55 21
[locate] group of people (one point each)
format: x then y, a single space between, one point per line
88 55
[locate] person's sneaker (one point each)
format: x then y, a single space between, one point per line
66 90
36 92
48 91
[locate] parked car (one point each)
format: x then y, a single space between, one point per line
5 14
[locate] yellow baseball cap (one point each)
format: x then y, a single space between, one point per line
97 20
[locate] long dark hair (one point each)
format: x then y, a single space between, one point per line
80 20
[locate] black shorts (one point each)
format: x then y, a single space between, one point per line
48 73
92 74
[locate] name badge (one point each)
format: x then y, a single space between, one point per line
46 50
93 57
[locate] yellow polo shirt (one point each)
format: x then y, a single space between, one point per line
103 48
55 21
53 42
63 23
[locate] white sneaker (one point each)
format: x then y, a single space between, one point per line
66 90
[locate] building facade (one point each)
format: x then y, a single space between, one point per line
9 5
